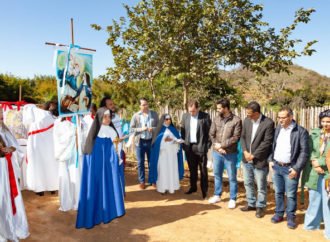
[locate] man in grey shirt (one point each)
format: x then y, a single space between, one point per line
143 124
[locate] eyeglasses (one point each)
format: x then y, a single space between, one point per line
167 119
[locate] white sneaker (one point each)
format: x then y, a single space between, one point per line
232 204
214 199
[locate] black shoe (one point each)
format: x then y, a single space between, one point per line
248 208
40 194
291 222
190 191
260 212
204 194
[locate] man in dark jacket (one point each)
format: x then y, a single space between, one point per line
225 133
195 126
289 155
256 141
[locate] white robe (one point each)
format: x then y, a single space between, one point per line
12 227
69 173
88 120
42 168
168 173
18 155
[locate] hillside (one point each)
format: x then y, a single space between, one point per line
275 84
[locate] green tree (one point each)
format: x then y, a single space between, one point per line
191 40
10 85
45 88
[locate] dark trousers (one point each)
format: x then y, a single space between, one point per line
143 149
195 160
284 186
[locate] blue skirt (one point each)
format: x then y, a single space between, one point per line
101 194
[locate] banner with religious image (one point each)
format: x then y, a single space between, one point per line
74 74
13 118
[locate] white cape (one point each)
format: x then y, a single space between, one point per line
108 131
69 167
42 168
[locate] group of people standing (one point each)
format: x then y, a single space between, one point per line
287 150
92 181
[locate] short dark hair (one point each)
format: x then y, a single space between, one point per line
224 102
93 106
288 109
193 103
103 101
143 99
324 114
254 106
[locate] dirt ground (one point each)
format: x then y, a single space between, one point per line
151 216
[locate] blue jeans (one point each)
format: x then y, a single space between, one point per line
142 149
284 185
259 175
318 209
219 162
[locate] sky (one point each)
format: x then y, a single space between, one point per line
25 26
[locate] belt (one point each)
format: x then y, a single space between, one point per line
283 164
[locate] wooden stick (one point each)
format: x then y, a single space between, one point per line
20 93
72 36
83 48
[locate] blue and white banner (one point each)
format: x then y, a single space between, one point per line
74 74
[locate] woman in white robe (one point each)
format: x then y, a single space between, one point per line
166 162
13 221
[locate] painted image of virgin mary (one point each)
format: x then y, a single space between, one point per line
71 75
84 93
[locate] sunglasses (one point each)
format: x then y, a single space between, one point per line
167 119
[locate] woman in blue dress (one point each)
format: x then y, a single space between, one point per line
101 194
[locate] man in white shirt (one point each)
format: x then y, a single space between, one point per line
195 126
290 153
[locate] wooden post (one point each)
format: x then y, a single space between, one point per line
20 93
78 130
72 35
72 40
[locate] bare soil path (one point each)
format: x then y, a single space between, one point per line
151 216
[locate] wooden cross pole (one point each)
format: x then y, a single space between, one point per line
20 93
72 40
78 131
72 35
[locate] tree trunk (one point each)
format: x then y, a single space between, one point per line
153 91
185 95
